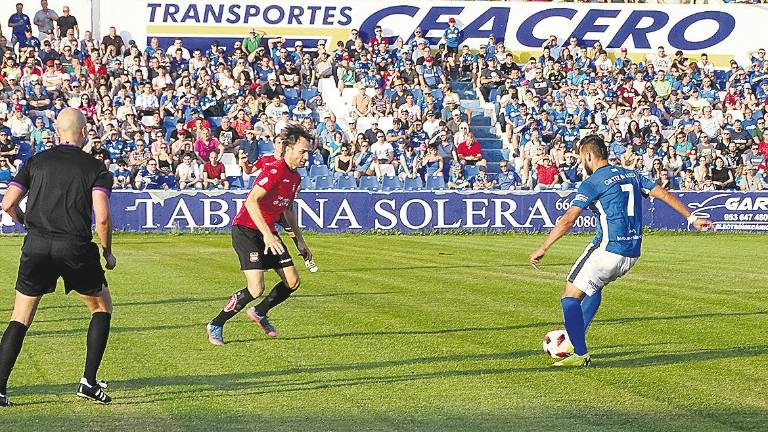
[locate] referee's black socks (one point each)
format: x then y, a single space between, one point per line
236 303
10 347
96 343
279 293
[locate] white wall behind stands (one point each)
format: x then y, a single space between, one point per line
80 9
723 31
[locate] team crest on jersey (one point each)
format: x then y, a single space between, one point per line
254 257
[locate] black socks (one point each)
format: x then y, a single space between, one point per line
98 333
279 293
237 302
10 347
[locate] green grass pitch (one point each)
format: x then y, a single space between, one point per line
407 333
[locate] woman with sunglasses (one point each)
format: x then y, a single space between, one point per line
656 168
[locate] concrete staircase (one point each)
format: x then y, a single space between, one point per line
481 125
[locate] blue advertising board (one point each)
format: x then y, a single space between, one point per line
362 211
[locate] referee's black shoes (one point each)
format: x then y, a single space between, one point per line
4 402
94 393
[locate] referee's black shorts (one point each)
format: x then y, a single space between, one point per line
45 259
249 246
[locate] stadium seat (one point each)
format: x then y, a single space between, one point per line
266 147
215 122
229 159
307 183
308 93
302 171
391 183
435 183
470 171
319 170
493 95
413 184
291 96
346 182
235 182
169 123
370 183
232 170
324 182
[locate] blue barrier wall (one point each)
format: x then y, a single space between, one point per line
361 211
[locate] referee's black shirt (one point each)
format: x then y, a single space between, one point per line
59 183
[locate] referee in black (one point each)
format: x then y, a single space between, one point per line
64 186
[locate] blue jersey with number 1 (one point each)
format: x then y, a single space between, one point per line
615 195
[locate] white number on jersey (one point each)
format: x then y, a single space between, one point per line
631 199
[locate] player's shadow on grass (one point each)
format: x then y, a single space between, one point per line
627 320
538 324
346 294
289 380
441 267
603 361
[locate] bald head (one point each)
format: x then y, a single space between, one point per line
70 125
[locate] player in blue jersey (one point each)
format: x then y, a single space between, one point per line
615 196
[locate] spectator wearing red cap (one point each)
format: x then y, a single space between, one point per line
623 61
346 73
452 37
52 77
21 126
431 75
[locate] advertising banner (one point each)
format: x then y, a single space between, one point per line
408 212
722 31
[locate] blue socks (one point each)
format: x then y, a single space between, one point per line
589 305
574 324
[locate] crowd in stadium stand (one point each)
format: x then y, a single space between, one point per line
166 117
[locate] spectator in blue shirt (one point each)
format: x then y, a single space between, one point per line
18 23
452 36
29 40
507 179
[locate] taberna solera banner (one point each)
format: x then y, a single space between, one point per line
722 31
408 212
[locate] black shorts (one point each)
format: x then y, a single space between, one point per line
249 246
44 260
452 50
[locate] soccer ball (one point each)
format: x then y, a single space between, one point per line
556 344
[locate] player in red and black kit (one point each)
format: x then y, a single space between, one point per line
255 169
255 239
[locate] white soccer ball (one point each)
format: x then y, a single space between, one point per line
556 344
